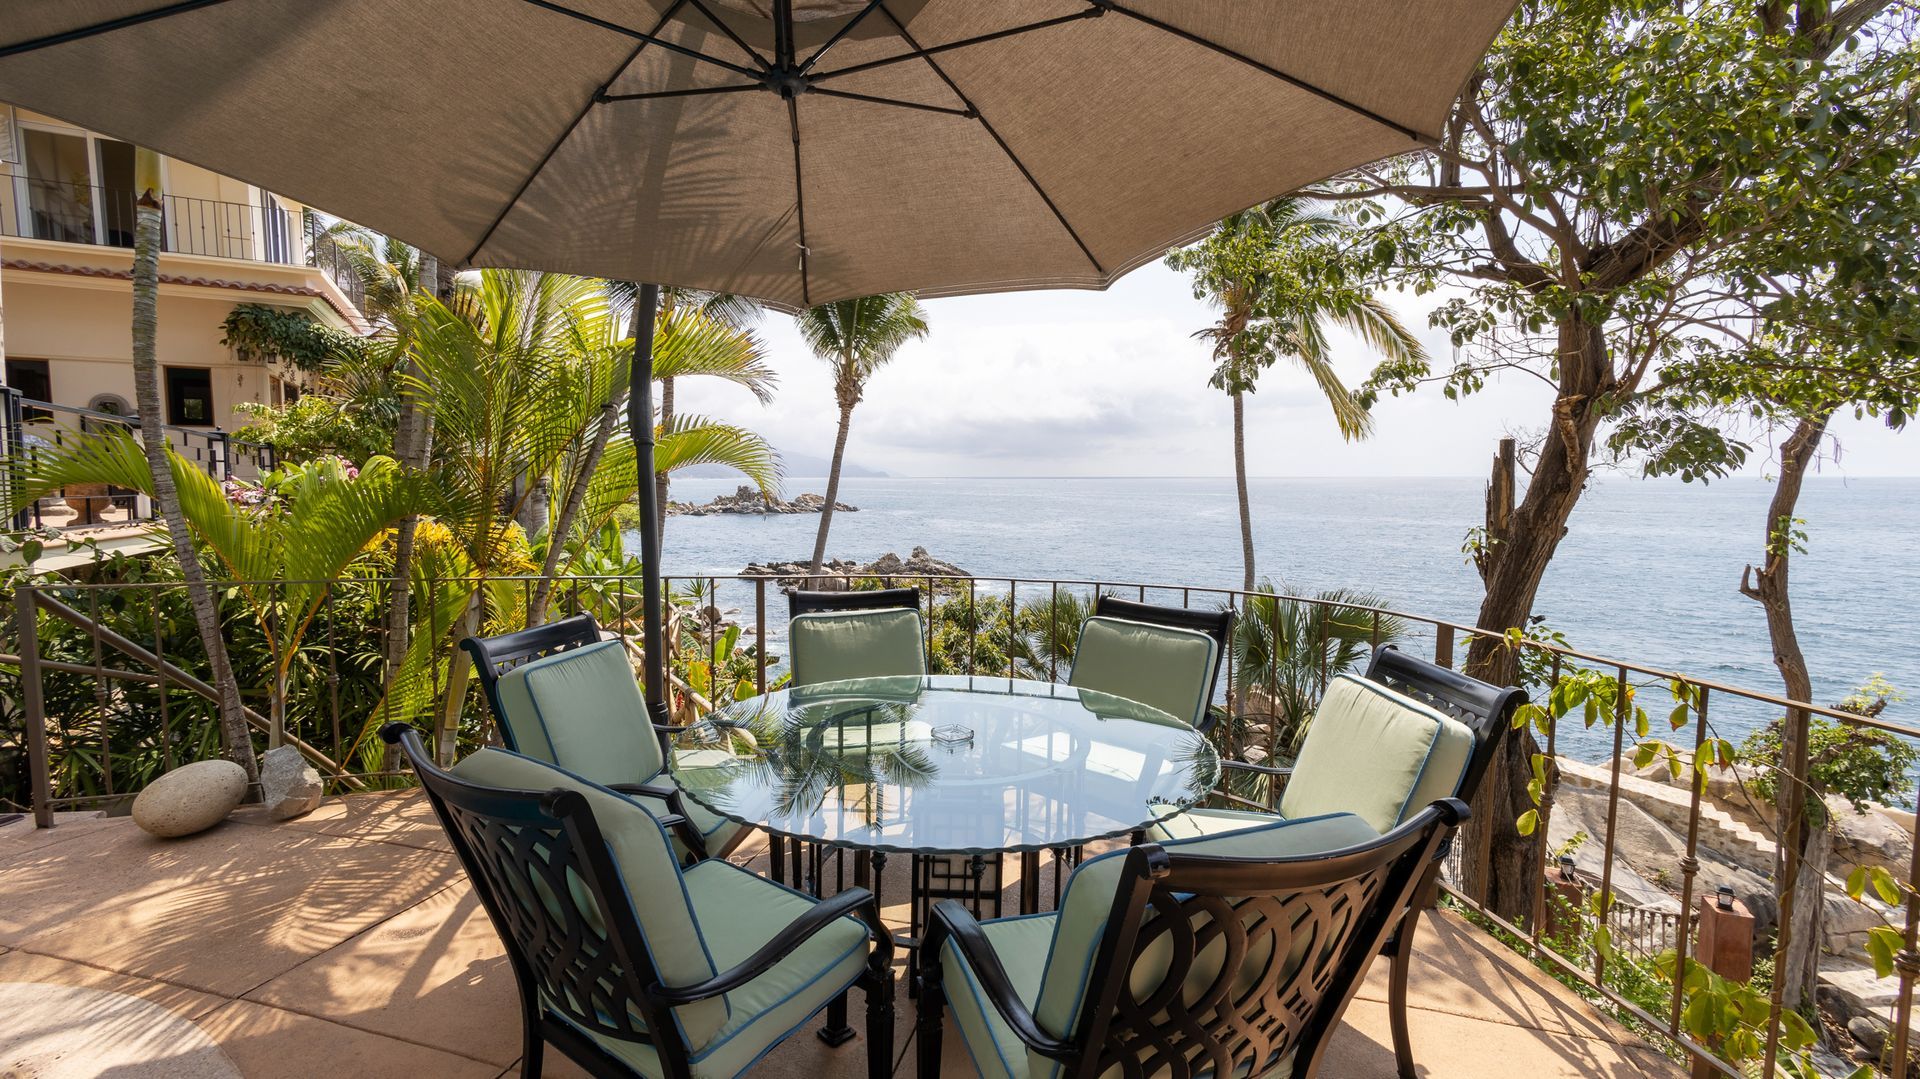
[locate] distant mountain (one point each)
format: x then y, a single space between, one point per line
796 464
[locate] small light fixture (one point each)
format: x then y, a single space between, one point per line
1566 867
1725 900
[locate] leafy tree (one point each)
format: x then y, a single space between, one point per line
1593 168
1264 269
856 338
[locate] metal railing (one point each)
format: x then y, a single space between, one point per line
106 217
32 426
107 691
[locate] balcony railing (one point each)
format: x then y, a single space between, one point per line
105 217
112 690
28 427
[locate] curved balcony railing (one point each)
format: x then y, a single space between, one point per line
110 689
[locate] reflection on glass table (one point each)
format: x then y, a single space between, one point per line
856 764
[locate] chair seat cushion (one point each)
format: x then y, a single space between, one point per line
1348 830
1376 753
740 912
1021 945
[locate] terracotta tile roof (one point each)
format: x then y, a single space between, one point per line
353 317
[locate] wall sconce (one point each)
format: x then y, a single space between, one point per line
1725 898
1566 867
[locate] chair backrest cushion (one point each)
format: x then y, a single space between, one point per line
830 647
648 868
1376 753
583 710
1164 666
1088 903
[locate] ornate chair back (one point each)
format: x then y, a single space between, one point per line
493 657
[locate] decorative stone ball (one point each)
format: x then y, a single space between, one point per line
191 798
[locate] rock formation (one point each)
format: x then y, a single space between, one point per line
748 499
289 786
835 573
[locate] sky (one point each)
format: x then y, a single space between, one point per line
1076 383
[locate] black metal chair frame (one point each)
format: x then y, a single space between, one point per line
1215 624
801 602
552 947
494 656
1488 711
1345 904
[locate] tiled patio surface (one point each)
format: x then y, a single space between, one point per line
348 943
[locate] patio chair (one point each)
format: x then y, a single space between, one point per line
839 635
1409 732
1220 956
562 695
631 964
1168 657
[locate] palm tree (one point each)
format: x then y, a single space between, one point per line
856 337
1267 270
237 738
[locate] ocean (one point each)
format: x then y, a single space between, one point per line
1648 572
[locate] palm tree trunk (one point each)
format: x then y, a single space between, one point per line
234 734
1803 875
661 484
1240 481
413 448
576 497
459 671
833 492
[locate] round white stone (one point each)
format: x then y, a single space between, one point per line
191 798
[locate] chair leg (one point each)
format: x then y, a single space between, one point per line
533 1046
1400 957
879 985
837 1032
928 1021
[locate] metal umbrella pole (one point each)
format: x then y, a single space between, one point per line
640 424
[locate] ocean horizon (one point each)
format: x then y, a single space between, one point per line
1648 572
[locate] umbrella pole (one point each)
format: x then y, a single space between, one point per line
640 423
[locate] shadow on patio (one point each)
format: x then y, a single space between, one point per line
348 942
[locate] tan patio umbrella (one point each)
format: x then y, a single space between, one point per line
797 151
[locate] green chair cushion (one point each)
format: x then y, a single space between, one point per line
1200 823
832 646
583 710
1054 987
744 912
1163 666
649 869
1376 753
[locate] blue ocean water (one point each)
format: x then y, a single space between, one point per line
1648 571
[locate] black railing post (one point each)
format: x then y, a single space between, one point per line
13 445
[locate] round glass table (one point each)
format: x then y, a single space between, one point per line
947 765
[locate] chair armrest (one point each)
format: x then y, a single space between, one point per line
1261 768
952 921
854 901
676 818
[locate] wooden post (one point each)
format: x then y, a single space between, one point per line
1724 945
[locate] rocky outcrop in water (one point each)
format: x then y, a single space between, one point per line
749 500
834 573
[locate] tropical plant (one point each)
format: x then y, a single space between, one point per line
159 472
1273 272
1285 651
856 338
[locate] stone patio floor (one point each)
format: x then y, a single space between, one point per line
348 943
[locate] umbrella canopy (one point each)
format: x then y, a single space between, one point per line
798 152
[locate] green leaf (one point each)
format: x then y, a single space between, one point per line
1883 943
1678 717
1528 821
1644 754
1884 886
1857 882
30 551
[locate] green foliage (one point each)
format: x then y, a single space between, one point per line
262 334
1855 762
317 425
1287 650
857 337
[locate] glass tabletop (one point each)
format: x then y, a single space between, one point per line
945 764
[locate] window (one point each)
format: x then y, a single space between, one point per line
189 396
34 382
76 188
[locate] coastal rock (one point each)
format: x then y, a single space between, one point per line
835 573
289 787
191 798
746 499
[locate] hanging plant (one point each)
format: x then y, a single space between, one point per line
258 333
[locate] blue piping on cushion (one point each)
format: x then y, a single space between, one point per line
797 990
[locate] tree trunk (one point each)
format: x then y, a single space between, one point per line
1803 875
833 492
661 484
413 448
576 497
1240 485
534 508
446 739
234 735
1512 564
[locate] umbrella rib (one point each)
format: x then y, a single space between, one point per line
844 30
647 38
1291 80
918 53
110 25
987 126
895 102
598 93
697 91
735 38
799 199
